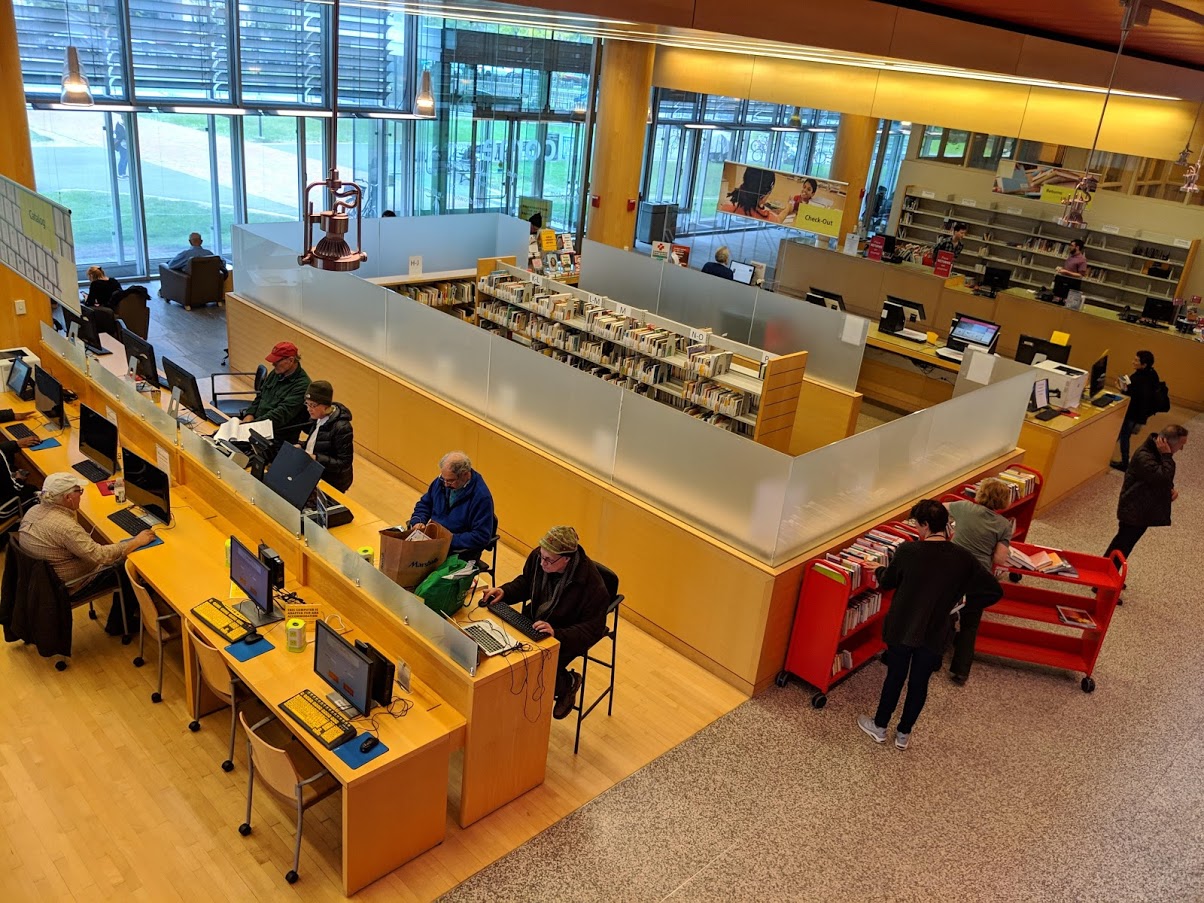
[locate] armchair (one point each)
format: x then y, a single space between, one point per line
203 284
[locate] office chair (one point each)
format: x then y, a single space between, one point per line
204 283
232 401
281 768
611 580
222 682
490 547
131 309
159 620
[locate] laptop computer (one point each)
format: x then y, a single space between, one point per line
969 332
489 637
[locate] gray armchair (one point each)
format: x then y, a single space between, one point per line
203 284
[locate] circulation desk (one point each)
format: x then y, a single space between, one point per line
1069 451
913 378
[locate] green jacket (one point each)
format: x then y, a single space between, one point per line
282 401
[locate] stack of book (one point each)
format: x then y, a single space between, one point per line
857 562
1021 483
717 398
439 294
861 608
558 307
843 661
702 361
1047 561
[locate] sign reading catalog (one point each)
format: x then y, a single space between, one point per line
806 203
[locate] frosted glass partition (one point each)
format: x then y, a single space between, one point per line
980 369
512 238
209 457
144 407
440 353
976 427
626 277
265 270
72 354
451 242
693 297
566 411
399 602
834 340
347 309
262 498
714 479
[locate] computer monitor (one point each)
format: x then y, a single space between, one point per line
966 330
383 672
1161 310
293 476
1040 399
1032 350
817 300
892 318
179 378
85 329
98 439
20 377
139 348
832 300
48 398
913 311
742 272
347 670
146 485
1063 284
251 576
996 278
1099 376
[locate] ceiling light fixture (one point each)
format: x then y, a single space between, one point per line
424 100
76 91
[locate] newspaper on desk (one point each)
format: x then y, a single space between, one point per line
234 430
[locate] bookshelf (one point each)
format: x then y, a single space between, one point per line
1026 486
453 291
748 391
1122 270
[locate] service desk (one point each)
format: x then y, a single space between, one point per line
909 376
1069 451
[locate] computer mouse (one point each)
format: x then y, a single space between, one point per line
252 637
369 744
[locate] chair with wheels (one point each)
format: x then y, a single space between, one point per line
222 682
491 547
231 401
158 619
204 283
287 769
611 579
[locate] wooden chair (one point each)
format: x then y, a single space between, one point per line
222 682
158 619
611 579
290 772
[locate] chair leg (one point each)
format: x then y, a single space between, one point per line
614 658
228 765
139 661
580 704
157 696
292 876
195 724
245 828
119 599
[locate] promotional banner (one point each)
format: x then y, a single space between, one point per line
36 242
1039 181
802 202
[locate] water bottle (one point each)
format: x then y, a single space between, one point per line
119 490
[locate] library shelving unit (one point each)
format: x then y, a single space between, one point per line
1031 610
1122 270
453 291
749 391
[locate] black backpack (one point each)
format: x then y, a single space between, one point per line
1161 402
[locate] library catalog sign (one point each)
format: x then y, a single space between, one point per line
802 202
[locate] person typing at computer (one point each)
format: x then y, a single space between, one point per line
329 438
281 398
460 502
563 594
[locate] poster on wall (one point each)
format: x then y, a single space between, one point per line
678 255
802 202
36 242
1038 181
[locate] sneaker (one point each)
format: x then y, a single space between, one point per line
866 723
902 739
564 705
958 678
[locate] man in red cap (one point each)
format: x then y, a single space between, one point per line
281 398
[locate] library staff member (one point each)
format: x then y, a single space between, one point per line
281 398
1076 263
328 438
719 266
952 243
459 501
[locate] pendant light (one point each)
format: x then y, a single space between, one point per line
424 100
76 91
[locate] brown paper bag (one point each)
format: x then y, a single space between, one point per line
406 561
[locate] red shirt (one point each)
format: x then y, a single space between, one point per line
1076 263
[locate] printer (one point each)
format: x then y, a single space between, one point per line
1066 383
6 362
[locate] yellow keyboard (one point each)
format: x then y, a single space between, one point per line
225 620
320 718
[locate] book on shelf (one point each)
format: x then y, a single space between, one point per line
842 662
860 609
1076 617
1046 561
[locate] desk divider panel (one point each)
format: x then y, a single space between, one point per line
354 310
834 340
980 369
626 277
696 299
73 354
266 266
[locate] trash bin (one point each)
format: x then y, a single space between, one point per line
656 222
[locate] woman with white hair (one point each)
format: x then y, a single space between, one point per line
719 266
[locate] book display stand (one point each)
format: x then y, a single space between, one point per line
1026 486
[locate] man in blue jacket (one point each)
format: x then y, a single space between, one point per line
459 501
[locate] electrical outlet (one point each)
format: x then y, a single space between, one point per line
20 303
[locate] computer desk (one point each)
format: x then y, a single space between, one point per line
1069 451
902 384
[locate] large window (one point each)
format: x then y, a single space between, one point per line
181 49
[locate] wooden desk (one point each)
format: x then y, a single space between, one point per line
906 384
1069 451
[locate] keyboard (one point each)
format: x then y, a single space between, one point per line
912 335
950 354
486 640
20 431
1047 414
319 718
215 417
218 616
93 473
517 620
128 521
1102 401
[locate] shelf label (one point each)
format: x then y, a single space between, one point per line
415 264
969 202
698 335
1182 243
622 310
1111 230
595 299
1015 211
925 193
765 357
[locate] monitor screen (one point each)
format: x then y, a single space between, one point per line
1041 394
891 319
85 330
139 348
1160 309
345 668
973 331
251 575
817 300
179 378
1099 375
997 278
146 485
1032 350
743 272
1062 285
293 476
48 397
18 376
98 439
913 311
833 300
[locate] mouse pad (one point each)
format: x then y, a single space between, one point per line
150 545
350 753
244 652
45 444
104 486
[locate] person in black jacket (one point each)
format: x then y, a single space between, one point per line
101 288
929 578
329 438
1141 388
15 494
566 598
1149 488
719 266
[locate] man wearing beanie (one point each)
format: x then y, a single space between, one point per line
281 397
565 596
328 438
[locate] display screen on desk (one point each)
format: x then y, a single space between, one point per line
48 397
742 272
18 376
142 350
251 575
293 476
146 485
98 439
343 666
974 332
179 378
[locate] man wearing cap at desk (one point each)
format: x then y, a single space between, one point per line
566 598
329 438
281 398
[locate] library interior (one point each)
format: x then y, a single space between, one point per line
875 253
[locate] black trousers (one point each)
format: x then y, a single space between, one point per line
1126 430
111 579
569 650
910 665
1126 537
963 644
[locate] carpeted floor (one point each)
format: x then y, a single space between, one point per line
1017 787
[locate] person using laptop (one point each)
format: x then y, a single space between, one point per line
281 397
329 438
51 531
719 266
563 594
460 502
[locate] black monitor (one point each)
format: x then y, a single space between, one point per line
832 300
85 329
742 272
892 318
888 245
48 398
98 439
1099 376
817 300
966 330
1161 310
139 348
1063 284
345 668
383 672
146 485
20 379
1032 350
913 311
293 476
179 378
996 278
251 575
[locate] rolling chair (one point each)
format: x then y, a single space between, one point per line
204 283
222 682
491 548
160 621
611 580
231 401
289 771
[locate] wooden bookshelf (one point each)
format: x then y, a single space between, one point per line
453 291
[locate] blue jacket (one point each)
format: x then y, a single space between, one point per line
470 519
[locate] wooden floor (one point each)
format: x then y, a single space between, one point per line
104 795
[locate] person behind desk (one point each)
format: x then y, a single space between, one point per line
1141 388
182 262
329 438
565 597
50 531
102 288
281 398
951 243
1076 263
719 266
460 502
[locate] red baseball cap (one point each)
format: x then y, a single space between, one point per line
280 351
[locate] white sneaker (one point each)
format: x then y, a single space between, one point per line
866 723
901 739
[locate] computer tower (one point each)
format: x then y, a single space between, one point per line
381 674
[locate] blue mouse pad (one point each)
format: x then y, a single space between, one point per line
350 753
45 444
244 652
150 545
